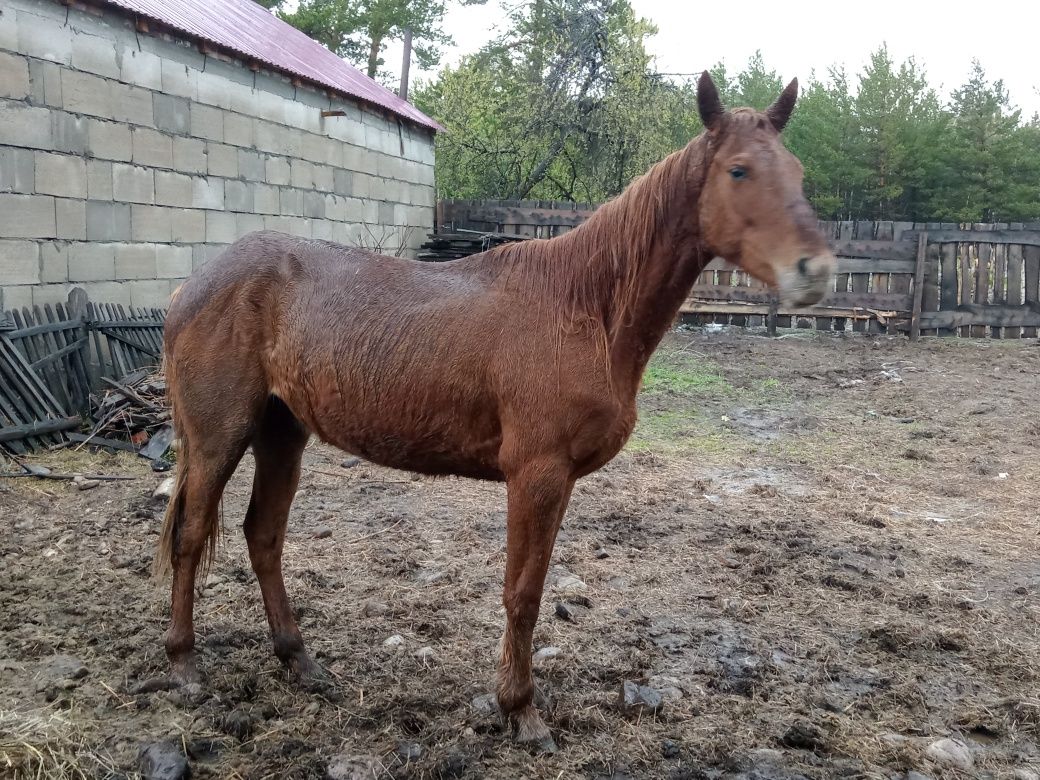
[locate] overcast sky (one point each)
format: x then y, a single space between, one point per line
798 36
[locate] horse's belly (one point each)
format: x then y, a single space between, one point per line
428 453
445 440
399 415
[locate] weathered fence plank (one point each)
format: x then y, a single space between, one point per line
53 357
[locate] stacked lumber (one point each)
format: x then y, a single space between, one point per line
462 243
132 415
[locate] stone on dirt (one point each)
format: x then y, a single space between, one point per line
394 641
163 761
426 654
802 735
88 484
635 698
373 607
951 752
350 463
545 654
322 532
344 767
569 610
433 577
485 705
409 751
568 583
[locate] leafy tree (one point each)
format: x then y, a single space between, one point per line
558 107
566 105
756 86
359 30
823 132
989 144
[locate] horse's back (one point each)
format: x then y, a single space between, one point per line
254 269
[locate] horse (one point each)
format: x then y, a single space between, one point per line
520 364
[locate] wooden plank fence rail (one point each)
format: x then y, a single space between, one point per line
52 358
977 280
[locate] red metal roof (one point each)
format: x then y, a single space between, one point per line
254 32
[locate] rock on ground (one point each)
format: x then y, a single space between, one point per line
345 767
163 761
951 752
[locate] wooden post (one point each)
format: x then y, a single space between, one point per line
406 63
774 306
922 251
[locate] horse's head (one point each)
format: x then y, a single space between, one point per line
753 212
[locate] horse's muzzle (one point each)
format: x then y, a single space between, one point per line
805 283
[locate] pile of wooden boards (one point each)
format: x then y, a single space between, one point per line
462 243
133 416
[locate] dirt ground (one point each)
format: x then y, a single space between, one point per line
821 550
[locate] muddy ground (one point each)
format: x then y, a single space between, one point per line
822 550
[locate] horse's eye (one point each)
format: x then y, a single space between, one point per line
737 172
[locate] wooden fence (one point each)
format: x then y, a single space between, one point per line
53 357
968 280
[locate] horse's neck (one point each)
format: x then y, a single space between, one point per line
658 260
665 287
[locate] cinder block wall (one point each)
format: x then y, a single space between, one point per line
128 159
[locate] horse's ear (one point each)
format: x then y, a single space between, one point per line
708 102
782 107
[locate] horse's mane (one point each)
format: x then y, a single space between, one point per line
592 273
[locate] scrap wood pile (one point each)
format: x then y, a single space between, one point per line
133 416
462 243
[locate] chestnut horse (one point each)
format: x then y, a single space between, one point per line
519 364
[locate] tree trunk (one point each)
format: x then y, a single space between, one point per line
373 55
536 175
539 171
406 62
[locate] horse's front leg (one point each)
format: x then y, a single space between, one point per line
538 495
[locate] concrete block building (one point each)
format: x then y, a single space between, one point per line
138 138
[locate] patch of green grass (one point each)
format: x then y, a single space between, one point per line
672 431
670 373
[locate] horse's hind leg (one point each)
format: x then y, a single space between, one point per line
278 448
207 461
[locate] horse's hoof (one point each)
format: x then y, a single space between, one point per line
153 684
529 729
184 674
546 746
312 678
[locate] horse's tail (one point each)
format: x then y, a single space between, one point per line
174 519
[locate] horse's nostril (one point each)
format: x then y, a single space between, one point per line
803 266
